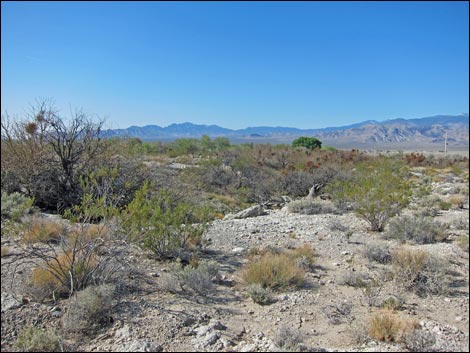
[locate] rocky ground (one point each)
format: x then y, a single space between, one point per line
147 318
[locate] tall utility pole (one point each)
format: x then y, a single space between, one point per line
445 145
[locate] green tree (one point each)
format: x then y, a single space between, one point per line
307 142
378 190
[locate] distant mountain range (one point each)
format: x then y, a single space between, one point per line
412 133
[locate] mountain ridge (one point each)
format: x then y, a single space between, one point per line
427 130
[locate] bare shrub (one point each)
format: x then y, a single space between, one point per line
336 225
89 309
420 230
288 339
355 279
420 341
378 252
338 313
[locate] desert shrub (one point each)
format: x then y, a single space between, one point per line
336 225
418 272
355 279
388 326
419 230
377 252
15 205
162 222
288 339
89 309
378 191
310 207
32 339
43 230
260 295
297 183
338 313
462 241
392 303
274 271
434 201
197 277
428 212
420 341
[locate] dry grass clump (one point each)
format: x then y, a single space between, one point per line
42 230
55 277
310 207
418 272
462 241
388 326
275 271
5 250
89 232
457 201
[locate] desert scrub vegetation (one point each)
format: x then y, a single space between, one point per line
196 277
32 339
378 252
279 270
163 222
260 295
43 230
378 190
310 207
419 272
389 326
15 205
416 229
289 340
89 309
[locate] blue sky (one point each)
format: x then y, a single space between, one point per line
237 64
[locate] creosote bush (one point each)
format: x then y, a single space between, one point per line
163 222
32 339
419 230
378 191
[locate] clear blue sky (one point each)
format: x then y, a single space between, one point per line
237 64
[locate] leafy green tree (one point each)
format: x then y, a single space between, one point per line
307 142
378 190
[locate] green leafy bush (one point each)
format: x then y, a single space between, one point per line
378 190
164 223
15 205
32 339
